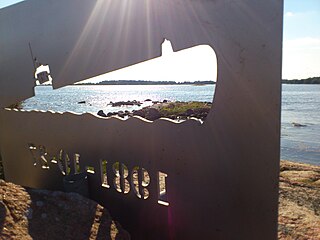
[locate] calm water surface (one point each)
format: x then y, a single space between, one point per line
300 104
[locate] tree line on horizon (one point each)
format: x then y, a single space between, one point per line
144 82
312 80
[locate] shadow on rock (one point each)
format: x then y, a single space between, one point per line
57 215
3 213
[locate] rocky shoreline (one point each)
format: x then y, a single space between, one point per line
175 110
165 109
299 201
28 213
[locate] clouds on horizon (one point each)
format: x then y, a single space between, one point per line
301 39
301 58
289 14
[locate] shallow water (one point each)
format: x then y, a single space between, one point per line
98 97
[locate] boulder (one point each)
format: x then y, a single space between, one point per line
152 114
201 113
189 112
101 113
298 124
140 113
109 114
41 214
125 103
121 114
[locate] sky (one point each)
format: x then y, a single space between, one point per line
301 39
301 51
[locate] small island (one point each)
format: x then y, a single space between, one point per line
166 109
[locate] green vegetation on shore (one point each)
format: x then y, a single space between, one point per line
165 109
313 80
179 108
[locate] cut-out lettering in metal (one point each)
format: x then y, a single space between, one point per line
104 176
64 162
140 180
120 180
39 155
162 189
90 170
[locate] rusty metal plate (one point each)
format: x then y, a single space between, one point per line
161 180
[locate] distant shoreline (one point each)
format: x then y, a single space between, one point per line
313 80
144 82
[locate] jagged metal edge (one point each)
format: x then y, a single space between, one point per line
187 121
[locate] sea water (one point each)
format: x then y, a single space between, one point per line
300 104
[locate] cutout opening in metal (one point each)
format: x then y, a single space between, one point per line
162 189
178 86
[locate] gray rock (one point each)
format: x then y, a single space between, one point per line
42 191
26 221
121 114
29 213
125 103
57 194
74 196
298 124
101 113
39 203
189 112
140 113
2 182
152 114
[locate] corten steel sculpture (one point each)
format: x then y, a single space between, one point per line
217 180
